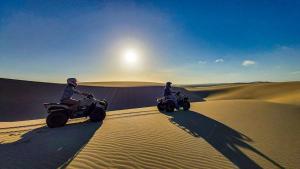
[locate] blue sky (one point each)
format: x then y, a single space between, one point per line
180 41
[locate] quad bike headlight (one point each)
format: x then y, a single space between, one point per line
103 103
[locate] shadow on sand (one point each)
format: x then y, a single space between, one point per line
221 137
47 148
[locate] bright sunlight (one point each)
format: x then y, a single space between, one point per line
130 57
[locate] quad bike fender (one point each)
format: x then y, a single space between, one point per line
55 106
104 107
58 109
51 109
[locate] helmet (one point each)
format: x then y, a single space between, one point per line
168 83
72 81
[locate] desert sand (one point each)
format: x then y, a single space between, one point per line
253 125
280 92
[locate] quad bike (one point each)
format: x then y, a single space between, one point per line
168 105
60 113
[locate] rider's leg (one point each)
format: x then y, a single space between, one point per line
174 99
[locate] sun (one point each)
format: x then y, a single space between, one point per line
130 56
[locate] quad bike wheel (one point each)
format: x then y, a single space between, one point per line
160 106
97 115
57 119
170 106
186 105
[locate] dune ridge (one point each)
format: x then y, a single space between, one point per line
279 92
235 126
23 100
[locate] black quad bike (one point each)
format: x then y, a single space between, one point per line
168 105
59 113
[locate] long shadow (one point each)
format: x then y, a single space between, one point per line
47 148
223 138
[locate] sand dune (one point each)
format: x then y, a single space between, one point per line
238 126
284 92
213 134
23 100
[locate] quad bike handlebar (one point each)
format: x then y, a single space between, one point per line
90 96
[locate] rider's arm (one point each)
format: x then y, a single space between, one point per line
172 91
85 94
80 93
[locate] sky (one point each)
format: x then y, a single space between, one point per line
186 42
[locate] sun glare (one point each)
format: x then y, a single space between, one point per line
130 56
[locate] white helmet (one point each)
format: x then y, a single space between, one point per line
72 81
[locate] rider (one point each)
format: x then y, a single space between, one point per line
168 93
69 91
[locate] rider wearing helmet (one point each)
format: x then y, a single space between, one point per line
168 93
167 90
69 91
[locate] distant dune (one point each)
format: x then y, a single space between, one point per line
280 92
253 125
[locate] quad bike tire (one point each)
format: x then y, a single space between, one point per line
186 106
170 106
97 115
57 119
160 107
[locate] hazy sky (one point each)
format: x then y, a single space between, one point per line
180 41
